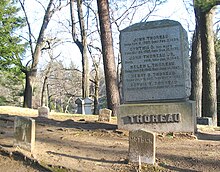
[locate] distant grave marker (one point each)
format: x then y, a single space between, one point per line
142 146
24 133
84 106
43 111
105 115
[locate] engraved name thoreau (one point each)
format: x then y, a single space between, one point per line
156 118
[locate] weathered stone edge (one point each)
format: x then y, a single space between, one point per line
151 25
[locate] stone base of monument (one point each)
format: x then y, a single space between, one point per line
158 117
204 120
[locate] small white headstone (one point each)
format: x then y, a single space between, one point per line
142 146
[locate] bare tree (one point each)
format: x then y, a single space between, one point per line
204 16
82 45
196 68
63 86
96 81
127 13
108 56
209 66
31 69
51 44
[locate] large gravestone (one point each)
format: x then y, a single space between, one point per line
155 58
142 146
24 133
156 78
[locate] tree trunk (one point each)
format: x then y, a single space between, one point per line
81 45
108 56
31 74
48 97
42 103
96 97
85 61
29 78
96 100
209 100
196 68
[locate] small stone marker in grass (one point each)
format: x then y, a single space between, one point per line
105 115
24 133
142 146
43 111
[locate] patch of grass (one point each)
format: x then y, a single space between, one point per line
58 169
12 110
19 111
170 135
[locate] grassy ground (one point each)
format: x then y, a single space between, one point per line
12 110
18 111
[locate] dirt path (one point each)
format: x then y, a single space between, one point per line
82 144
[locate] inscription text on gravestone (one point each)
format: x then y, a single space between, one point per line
142 146
153 60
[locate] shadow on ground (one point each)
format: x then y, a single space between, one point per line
187 161
208 136
173 168
85 125
81 124
87 158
